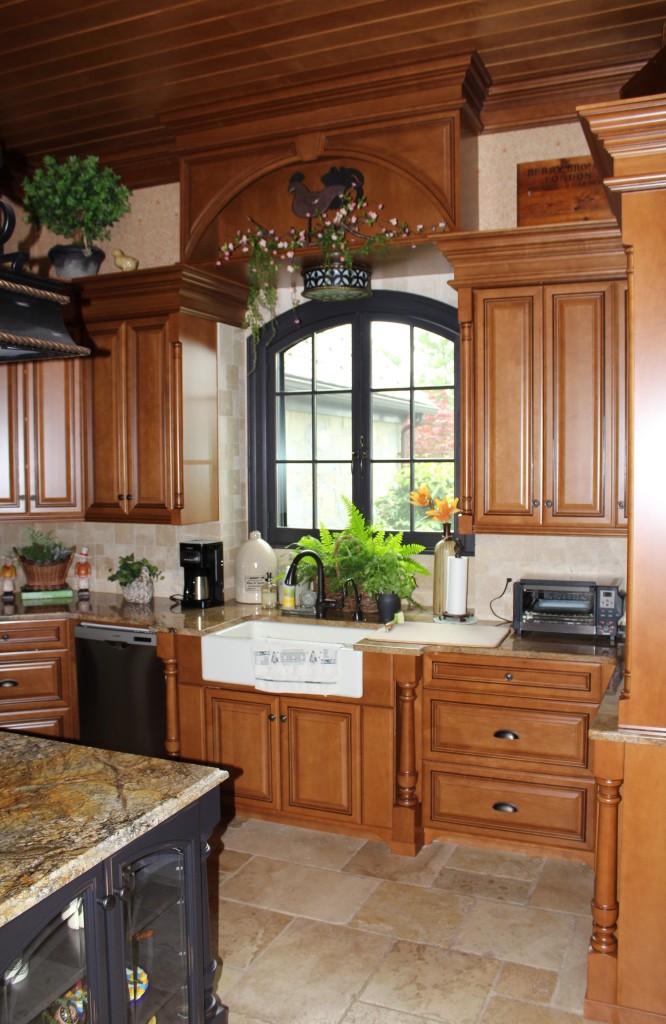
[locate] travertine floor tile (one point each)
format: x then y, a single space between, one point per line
309 975
494 887
409 912
572 979
297 889
525 935
531 984
230 976
376 860
363 1013
564 885
509 1011
495 862
444 985
297 845
230 861
244 932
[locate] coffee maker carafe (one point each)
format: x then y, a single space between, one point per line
203 563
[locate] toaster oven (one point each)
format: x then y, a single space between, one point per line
573 607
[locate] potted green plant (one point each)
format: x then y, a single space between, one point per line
378 562
136 576
79 200
45 560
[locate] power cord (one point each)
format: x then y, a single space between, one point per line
501 617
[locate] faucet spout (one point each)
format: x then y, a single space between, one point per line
290 579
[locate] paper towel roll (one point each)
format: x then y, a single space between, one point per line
456 586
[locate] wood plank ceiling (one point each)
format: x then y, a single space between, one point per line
106 76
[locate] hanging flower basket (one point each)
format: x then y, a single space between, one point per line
337 282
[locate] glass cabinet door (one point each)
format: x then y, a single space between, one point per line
47 983
156 937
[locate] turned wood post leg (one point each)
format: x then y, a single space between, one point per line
166 652
407 827
407 775
604 903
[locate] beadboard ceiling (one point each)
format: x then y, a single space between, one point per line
106 75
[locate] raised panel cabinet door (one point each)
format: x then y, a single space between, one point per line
242 737
150 455
55 460
12 440
320 757
507 346
579 409
106 436
621 401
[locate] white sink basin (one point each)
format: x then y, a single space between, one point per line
228 656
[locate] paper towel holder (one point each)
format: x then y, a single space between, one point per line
456 583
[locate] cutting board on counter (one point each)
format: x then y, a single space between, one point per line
473 634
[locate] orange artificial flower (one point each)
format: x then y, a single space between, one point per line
421 497
443 509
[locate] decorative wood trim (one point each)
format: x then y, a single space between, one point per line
166 651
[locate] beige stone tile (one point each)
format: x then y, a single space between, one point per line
495 862
439 984
297 845
230 976
231 861
494 887
242 1018
375 859
525 935
531 984
564 885
572 979
363 1013
409 912
298 889
309 975
510 1011
244 932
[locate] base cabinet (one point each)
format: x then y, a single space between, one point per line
127 940
37 691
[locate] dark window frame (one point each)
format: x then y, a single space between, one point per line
289 328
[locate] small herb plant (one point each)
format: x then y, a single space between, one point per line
43 548
77 198
129 569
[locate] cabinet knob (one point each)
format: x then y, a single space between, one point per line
124 893
548 503
283 718
6 683
272 717
536 502
128 497
107 902
506 734
5 636
620 504
121 497
505 808
508 676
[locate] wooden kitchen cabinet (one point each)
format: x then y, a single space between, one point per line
151 396
506 750
543 332
41 460
37 689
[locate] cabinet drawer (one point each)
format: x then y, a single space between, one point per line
551 809
38 725
29 680
33 635
554 738
566 680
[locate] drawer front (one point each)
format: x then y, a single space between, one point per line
39 725
566 680
550 810
33 635
550 737
24 682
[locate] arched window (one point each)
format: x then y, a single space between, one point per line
357 399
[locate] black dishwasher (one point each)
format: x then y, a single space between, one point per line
122 694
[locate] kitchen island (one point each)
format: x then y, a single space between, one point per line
103 895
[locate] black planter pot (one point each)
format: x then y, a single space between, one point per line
73 261
388 605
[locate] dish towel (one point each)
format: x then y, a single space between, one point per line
288 666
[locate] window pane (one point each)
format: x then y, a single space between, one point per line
390 496
294 367
434 424
334 425
390 424
390 354
294 495
294 427
433 359
333 358
440 478
334 479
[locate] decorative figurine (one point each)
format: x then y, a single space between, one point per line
124 262
8 574
83 571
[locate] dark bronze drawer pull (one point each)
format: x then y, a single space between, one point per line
506 734
508 676
506 808
283 718
6 683
271 717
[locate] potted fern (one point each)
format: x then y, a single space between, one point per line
136 576
45 560
79 200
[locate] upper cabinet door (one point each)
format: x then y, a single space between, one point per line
12 441
508 371
105 434
55 465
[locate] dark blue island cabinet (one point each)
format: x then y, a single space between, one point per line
126 941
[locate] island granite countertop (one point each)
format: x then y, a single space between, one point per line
66 808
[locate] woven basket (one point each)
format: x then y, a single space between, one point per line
45 575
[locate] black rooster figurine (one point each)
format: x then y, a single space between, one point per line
337 181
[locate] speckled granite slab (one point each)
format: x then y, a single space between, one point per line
65 808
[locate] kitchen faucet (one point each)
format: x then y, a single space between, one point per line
322 602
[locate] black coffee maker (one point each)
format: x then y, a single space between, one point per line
203 562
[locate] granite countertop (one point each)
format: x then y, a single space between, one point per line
66 808
166 616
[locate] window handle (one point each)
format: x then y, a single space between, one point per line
361 454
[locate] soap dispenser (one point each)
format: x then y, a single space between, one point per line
254 560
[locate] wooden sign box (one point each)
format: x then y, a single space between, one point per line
557 191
